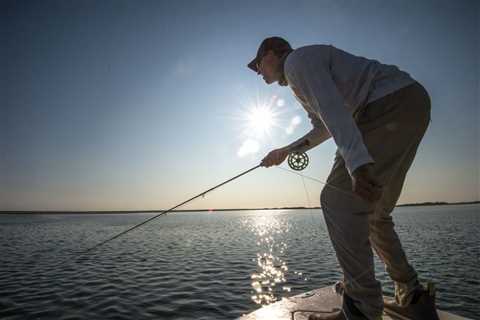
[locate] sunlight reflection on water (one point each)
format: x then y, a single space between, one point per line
271 268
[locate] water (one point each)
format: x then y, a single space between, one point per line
216 265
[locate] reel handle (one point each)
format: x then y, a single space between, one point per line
298 160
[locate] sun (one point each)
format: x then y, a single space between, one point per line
260 120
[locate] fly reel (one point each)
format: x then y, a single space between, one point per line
298 160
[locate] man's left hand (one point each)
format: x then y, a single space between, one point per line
365 184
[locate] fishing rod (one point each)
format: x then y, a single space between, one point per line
296 160
169 210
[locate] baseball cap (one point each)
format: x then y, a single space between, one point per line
276 44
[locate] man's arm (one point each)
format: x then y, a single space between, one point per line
311 79
313 138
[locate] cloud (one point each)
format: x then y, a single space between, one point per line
293 125
249 146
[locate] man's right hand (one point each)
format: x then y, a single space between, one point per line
365 184
275 157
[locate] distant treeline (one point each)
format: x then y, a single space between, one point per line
435 203
237 209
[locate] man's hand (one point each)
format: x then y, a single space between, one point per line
365 184
275 157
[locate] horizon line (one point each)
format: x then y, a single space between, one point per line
220 209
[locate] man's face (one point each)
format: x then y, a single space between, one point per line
268 67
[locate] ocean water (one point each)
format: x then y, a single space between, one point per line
216 265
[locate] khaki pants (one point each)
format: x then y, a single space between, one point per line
392 128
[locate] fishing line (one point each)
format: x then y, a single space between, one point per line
317 180
344 246
308 199
299 162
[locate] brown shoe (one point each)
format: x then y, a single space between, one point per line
327 316
422 306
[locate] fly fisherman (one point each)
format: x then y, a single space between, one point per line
377 116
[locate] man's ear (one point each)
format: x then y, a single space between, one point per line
270 53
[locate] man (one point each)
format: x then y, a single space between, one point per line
377 116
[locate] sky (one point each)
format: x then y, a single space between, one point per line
139 105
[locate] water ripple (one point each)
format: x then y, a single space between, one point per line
210 265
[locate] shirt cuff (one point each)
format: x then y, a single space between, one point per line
357 159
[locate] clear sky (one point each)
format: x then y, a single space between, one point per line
118 105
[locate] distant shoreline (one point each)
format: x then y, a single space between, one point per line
215 210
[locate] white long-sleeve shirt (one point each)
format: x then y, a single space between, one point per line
331 84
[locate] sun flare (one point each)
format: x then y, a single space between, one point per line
260 120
